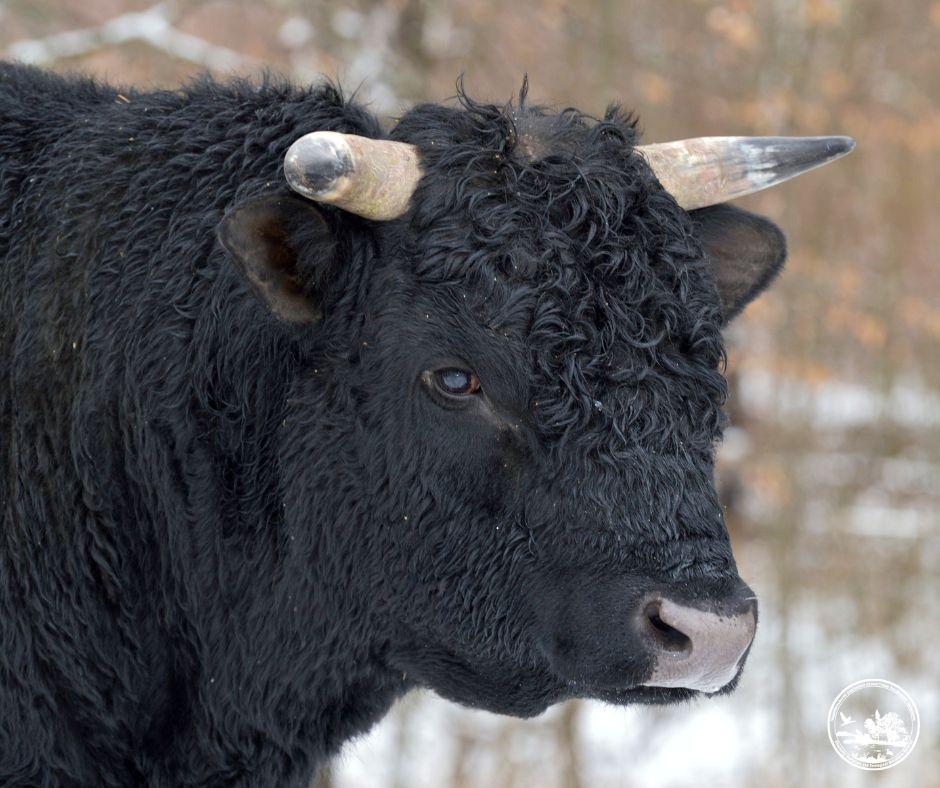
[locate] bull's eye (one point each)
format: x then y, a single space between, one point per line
456 382
451 385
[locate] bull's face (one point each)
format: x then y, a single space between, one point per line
515 393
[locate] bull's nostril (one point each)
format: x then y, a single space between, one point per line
669 638
696 648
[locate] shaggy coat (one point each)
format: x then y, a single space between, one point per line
228 544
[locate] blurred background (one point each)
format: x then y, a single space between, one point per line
831 470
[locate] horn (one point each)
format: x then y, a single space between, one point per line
709 170
370 178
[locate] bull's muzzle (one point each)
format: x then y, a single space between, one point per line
693 648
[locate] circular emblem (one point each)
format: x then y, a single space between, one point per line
873 724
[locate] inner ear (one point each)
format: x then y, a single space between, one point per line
283 247
746 252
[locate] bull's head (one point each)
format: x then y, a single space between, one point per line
501 449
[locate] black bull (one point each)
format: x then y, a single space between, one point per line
253 491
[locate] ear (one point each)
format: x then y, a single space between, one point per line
746 252
283 247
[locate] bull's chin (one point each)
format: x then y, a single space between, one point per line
650 694
501 689
519 691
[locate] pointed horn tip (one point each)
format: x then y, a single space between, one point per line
821 149
315 163
840 145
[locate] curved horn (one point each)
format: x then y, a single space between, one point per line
370 178
709 170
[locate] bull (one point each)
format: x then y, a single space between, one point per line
298 414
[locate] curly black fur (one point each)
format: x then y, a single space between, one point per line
228 544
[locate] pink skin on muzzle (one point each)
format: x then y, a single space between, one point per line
695 649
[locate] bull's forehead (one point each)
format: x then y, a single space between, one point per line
556 236
616 335
552 203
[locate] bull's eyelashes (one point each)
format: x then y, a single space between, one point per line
451 385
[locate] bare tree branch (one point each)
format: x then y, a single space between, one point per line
153 26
